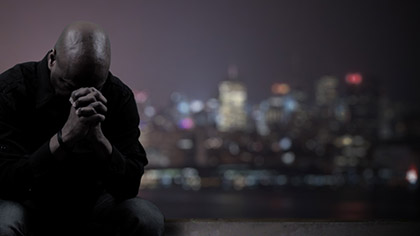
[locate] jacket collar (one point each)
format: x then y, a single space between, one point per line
45 91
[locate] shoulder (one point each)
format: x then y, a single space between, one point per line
122 108
115 89
17 81
18 75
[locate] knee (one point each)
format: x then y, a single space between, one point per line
142 217
12 218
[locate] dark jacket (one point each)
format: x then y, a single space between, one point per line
30 114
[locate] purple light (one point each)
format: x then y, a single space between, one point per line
186 123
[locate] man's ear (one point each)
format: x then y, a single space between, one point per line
51 58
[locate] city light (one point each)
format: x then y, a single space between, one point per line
288 158
212 103
183 108
196 106
232 95
412 175
280 88
234 179
149 111
336 129
354 78
213 143
185 144
285 143
186 123
140 96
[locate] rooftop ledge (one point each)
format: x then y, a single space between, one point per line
280 227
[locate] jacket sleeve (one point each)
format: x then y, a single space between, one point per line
125 166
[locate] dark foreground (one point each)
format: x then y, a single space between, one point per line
345 203
290 228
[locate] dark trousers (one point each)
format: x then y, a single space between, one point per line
134 216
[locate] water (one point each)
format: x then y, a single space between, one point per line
345 203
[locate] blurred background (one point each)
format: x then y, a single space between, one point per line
258 109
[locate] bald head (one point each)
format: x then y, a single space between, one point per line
81 58
85 42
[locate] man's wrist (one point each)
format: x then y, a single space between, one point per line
64 145
101 143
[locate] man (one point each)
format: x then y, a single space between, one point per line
70 159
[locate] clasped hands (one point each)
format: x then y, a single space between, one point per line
86 114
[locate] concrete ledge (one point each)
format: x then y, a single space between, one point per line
232 227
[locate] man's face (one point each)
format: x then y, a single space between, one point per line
69 75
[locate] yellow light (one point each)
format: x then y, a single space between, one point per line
347 141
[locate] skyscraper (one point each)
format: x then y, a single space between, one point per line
232 96
326 91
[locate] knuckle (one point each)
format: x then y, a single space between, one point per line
92 97
96 94
95 104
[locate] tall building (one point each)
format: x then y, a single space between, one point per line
326 91
363 102
275 105
232 110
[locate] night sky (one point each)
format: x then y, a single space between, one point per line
187 45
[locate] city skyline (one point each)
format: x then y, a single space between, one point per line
356 110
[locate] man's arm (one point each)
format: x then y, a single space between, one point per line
19 169
121 158
20 165
124 167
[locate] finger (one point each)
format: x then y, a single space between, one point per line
93 119
99 107
89 98
84 101
96 93
80 92
99 96
86 111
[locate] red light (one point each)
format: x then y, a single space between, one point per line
354 78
